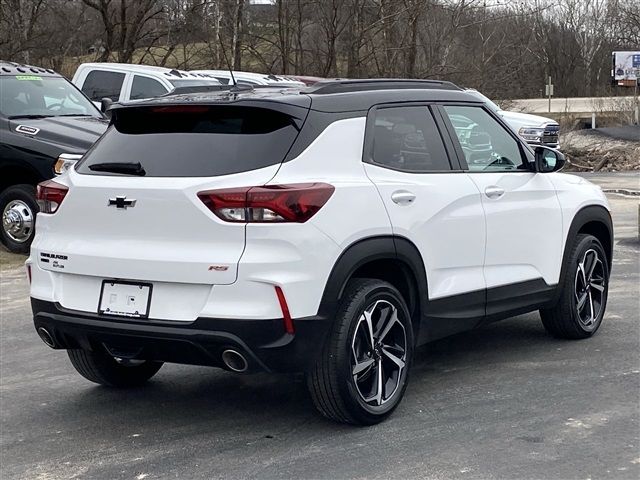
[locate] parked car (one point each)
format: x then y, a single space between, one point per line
45 123
328 231
536 130
250 78
121 82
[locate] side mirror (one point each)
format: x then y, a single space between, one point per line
548 159
105 104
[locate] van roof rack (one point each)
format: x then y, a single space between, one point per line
359 85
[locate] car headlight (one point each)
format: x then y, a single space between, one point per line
531 133
65 162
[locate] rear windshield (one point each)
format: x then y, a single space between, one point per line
191 141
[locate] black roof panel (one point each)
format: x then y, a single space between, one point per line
330 96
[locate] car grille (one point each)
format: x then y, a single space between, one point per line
550 135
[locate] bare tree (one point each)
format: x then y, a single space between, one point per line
505 48
125 25
19 20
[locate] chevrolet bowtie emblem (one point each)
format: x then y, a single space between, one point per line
122 202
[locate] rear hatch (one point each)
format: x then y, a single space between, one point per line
132 211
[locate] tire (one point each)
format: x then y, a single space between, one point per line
580 308
19 207
100 367
356 399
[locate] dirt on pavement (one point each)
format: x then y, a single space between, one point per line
607 149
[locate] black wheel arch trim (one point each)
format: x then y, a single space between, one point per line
370 249
584 216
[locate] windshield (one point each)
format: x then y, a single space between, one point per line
32 95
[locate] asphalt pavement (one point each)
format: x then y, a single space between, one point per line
503 402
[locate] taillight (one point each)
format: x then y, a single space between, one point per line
268 204
50 195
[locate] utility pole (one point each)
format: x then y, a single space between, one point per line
549 91
636 107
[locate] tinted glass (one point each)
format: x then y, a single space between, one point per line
47 96
99 84
407 138
145 87
485 143
199 141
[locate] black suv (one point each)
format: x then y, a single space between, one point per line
42 115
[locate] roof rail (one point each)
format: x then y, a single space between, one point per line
357 85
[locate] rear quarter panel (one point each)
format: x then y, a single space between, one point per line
301 256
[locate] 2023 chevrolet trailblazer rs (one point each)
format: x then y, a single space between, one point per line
328 230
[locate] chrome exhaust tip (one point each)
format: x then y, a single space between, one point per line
46 337
235 361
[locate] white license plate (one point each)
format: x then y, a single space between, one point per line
125 299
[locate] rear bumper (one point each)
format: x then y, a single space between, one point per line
264 343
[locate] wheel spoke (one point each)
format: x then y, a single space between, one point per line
592 265
390 322
591 313
582 301
598 287
379 384
582 273
367 317
398 361
362 366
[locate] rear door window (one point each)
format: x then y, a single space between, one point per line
99 84
193 141
145 87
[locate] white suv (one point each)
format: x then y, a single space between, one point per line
329 230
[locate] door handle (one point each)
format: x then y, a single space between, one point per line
494 191
403 197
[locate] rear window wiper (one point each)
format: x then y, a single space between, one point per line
131 168
12 117
75 115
